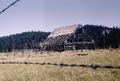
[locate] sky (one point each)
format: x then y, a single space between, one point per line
46 15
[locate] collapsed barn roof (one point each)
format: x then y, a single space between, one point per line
64 30
62 34
71 37
59 35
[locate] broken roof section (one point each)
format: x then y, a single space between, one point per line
64 30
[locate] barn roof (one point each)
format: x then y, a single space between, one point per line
59 35
56 40
64 30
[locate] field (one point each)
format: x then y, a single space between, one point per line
37 72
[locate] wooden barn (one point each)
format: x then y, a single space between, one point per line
68 38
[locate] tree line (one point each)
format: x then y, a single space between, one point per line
25 40
103 36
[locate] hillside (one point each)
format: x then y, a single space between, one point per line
103 36
25 40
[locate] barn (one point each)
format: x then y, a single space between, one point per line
71 37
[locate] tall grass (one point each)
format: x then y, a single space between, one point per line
22 72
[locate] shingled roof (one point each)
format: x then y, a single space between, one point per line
64 30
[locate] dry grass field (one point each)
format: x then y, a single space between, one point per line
32 72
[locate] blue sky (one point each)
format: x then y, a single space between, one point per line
45 15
